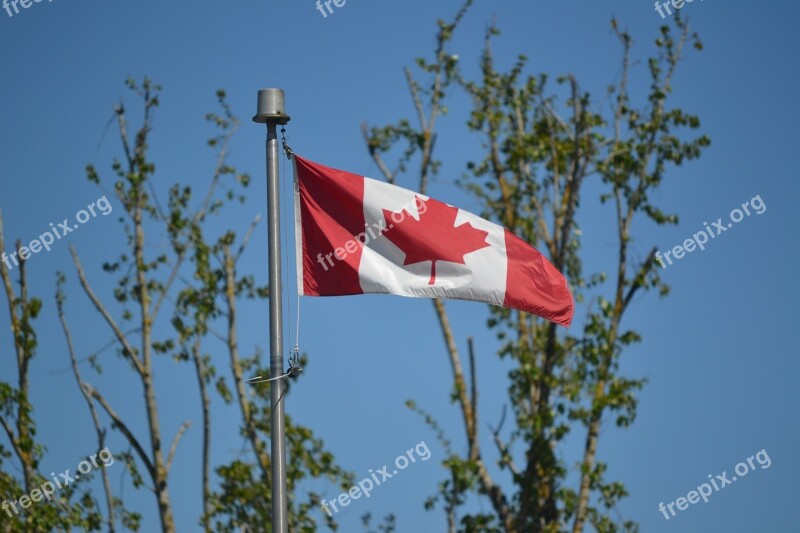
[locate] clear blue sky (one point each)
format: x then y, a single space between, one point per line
718 352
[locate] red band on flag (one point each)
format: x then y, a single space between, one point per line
324 191
533 284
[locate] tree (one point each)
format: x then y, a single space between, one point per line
169 304
73 506
539 154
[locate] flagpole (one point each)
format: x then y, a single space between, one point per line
271 111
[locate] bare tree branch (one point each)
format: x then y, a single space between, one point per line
123 428
505 455
247 237
10 298
413 88
473 452
9 432
129 351
185 426
236 367
110 519
373 152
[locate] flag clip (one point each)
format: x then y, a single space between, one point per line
286 148
293 372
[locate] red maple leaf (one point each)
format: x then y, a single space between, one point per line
434 237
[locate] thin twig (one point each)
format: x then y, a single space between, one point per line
185 426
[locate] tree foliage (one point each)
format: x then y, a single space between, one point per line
166 307
177 302
542 143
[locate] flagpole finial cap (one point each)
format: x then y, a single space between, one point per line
271 107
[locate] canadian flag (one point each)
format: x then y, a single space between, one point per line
356 235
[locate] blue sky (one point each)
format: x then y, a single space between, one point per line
718 352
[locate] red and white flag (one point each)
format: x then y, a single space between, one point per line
356 235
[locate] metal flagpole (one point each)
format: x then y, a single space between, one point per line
271 111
